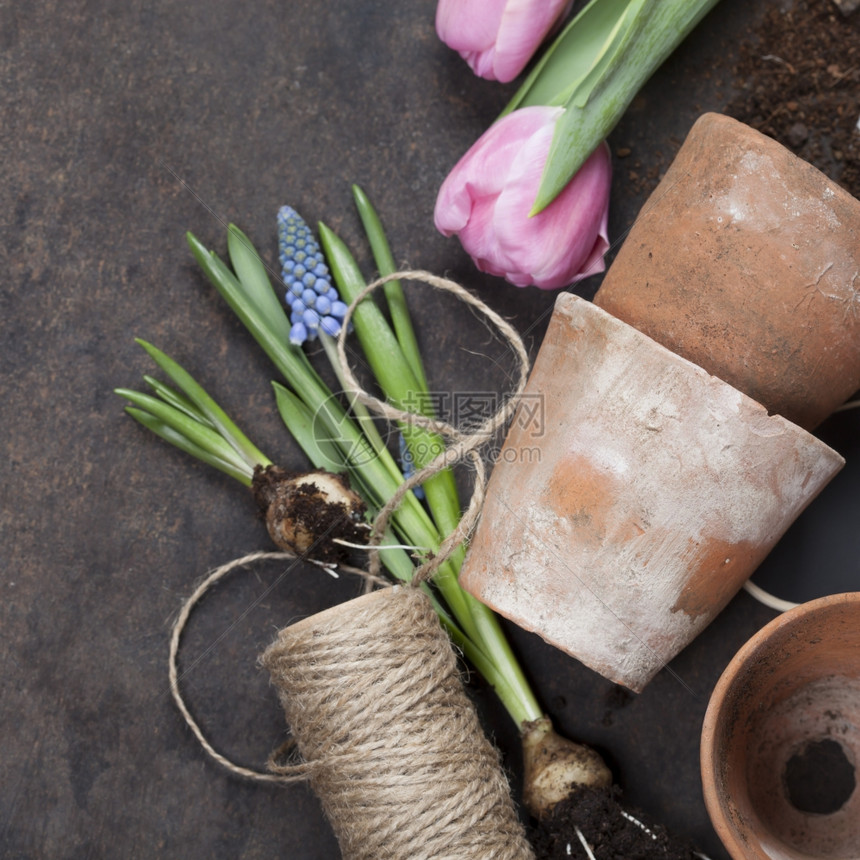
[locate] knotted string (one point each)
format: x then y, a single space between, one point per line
462 445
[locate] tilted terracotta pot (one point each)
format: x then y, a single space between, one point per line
620 521
781 738
746 260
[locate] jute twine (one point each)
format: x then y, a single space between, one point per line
391 743
383 729
462 445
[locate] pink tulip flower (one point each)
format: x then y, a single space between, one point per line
497 37
487 197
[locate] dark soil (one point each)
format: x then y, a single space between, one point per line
819 778
599 816
799 77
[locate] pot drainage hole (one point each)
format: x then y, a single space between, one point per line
819 778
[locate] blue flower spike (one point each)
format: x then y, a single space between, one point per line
314 303
407 465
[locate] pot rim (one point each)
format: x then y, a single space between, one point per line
720 819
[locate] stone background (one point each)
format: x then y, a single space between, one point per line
124 125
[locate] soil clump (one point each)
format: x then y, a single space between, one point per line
798 80
611 831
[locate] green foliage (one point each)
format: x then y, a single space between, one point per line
338 435
594 69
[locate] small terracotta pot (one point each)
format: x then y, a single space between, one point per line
621 519
781 738
746 261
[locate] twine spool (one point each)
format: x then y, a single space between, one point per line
390 742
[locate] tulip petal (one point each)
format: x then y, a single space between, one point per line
523 27
470 28
483 170
555 245
469 25
497 38
488 195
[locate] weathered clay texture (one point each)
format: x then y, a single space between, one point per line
746 260
795 682
620 522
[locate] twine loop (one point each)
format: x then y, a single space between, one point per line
462 446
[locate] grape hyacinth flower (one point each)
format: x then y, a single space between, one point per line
314 303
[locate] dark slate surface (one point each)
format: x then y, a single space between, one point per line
123 126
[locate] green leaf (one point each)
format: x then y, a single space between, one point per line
576 51
199 434
252 275
397 307
177 400
169 434
299 420
383 352
217 417
651 30
392 372
360 412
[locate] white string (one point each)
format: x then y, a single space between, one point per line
585 845
767 598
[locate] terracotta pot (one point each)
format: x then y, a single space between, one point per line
746 260
622 521
781 738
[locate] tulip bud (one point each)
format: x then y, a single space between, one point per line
487 198
497 38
